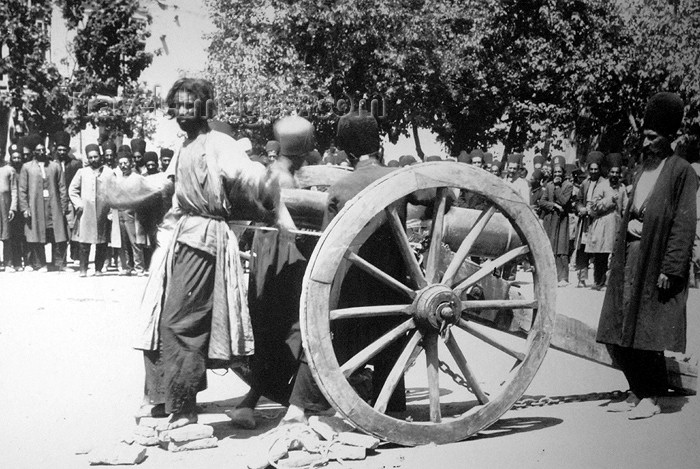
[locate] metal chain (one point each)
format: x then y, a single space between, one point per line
542 401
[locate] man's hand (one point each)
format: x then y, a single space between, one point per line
11 215
78 211
582 212
27 214
634 227
664 283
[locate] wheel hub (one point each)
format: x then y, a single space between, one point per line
436 306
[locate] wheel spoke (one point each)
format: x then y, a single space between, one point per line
379 274
436 235
399 232
430 342
498 304
482 332
409 353
463 366
367 353
467 244
488 267
369 311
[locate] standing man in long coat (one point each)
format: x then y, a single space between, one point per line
584 208
8 209
70 166
644 311
87 193
601 209
555 204
43 200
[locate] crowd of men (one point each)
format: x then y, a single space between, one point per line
50 196
609 213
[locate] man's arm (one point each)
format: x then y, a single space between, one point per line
23 189
74 190
14 192
682 233
63 192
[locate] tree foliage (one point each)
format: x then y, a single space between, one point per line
33 84
472 72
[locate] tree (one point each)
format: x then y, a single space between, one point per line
34 85
109 49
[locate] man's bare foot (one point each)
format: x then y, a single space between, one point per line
150 410
178 420
242 417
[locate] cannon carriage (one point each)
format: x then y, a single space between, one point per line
459 320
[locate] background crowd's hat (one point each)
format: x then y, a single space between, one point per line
538 161
313 157
537 175
433 158
358 134
514 158
272 145
109 145
393 164
488 158
92 147
560 161
407 160
124 151
614 160
61 139
166 153
33 140
138 145
498 164
664 114
476 153
594 157
150 156
464 157
295 135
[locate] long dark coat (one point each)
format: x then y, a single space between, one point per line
31 187
644 317
555 222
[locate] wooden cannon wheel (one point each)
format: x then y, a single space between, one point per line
435 302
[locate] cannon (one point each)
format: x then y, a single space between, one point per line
458 319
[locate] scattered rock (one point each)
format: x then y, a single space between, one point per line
329 426
195 431
358 439
117 454
202 443
345 452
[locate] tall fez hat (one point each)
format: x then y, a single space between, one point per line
476 153
150 156
358 133
407 160
33 140
614 160
498 164
138 145
488 158
124 151
664 114
295 134
61 139
537 175
109 145
538 161
272 145
92 147
515 158
559 161
166 153
464 157
594 157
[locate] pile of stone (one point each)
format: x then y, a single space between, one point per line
323 439
190 437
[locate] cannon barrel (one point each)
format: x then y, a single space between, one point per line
307 208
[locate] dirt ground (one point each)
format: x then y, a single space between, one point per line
69 380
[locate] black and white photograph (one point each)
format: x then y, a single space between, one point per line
358 234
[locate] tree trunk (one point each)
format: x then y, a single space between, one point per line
416 139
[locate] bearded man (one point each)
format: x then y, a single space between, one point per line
87 193
644 311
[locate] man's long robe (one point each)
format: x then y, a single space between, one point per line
636 313
31 188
